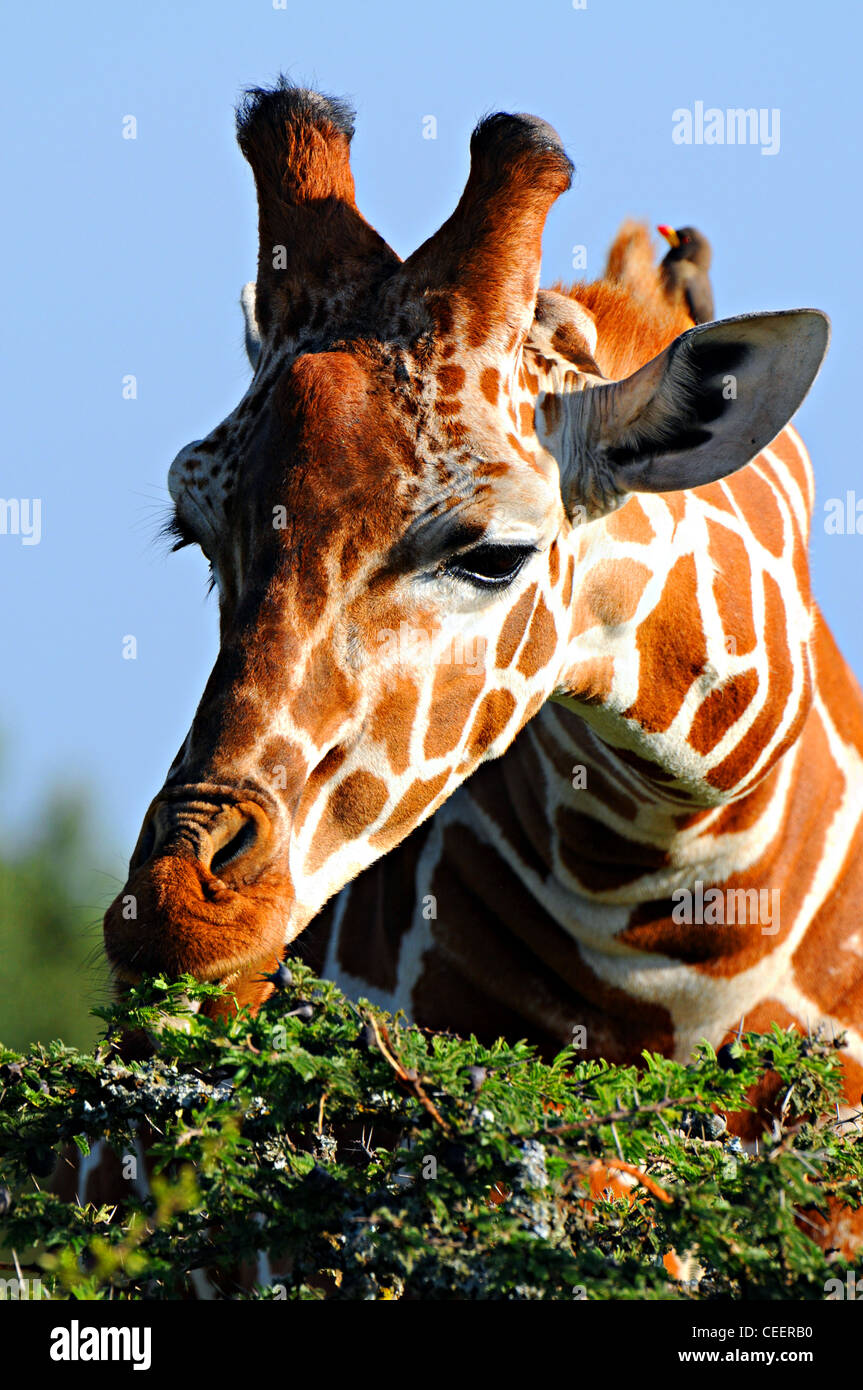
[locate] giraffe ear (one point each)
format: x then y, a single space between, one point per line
700 410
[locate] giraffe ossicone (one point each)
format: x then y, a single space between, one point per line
585 522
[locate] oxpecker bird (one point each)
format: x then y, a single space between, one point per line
684 271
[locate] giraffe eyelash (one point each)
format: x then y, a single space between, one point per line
479 566
181 535
176 531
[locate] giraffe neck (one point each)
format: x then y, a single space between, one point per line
691 619
603 828
669 753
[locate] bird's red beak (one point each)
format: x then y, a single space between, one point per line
670 234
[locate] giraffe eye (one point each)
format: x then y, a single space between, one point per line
489 566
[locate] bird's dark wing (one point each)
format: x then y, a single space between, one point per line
699 298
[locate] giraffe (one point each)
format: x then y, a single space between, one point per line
522 702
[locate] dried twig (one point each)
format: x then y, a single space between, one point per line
646 1181
408 1078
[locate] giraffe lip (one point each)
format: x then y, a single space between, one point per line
187 922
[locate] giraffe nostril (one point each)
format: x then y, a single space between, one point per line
239 845
236 837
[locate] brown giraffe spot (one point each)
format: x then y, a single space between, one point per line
451 378
514 628
531 381
319 777
325 696
534 705
566 595
745 811
353 806
720 710
552 412
836 936
732 587
380 910
489 384
476 329
610 594
785 450
758 503
672 650
448 1001
600 858
491 468
312 590
715 947
526 417
554 563
491 719
441 310
715 494
453 697
837 684
676 504
590 681
515 444
643 766
283 765
741 759
600 784
630 523
393 719
352 556
568 343
798 539
357 801
541 641
418 797
511 792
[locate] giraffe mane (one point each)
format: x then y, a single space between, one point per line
631 261
631 329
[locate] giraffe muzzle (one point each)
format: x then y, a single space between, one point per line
231 835
205 894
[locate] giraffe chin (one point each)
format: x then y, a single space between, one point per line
175 918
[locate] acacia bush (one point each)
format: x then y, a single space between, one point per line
375 1160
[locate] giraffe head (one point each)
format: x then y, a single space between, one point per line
393 515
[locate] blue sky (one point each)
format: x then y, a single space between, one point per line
127 257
